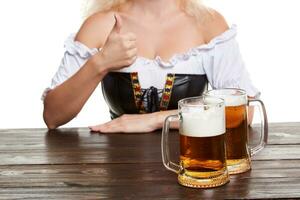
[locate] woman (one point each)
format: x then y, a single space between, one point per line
148 55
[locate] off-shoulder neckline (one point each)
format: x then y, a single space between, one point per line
223 37
227 35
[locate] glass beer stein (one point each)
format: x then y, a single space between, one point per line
237 149
202 143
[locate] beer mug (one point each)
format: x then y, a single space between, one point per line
202 143
237 149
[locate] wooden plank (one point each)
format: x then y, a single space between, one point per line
268 179
75 164
249 190
58 175
138 154
79 146
282 133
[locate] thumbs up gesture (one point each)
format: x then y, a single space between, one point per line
120 49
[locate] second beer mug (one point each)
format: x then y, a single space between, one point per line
202 143
238 152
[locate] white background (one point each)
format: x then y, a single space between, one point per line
32 34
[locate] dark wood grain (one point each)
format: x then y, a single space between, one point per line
269 178
75 164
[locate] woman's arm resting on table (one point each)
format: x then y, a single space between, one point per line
136 123
250 112
250 115
143 123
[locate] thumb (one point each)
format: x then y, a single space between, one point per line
118 23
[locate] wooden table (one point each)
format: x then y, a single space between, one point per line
75 164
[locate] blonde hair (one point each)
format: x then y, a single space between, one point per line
194 8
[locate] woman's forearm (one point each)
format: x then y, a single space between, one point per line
64 102
162 115
250 115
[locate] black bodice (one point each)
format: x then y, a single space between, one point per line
118 91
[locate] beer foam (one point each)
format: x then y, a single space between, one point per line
229 97
203 123
234 100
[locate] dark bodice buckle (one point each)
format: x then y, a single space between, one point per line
151 95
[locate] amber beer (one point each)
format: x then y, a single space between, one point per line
238 152
202 149
202 143
238 159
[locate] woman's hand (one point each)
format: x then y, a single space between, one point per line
136 123
133 123
119 49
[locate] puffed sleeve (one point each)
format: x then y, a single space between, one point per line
224 66
75 56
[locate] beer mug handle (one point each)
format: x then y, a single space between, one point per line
165 150
264 125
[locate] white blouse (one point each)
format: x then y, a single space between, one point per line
220 60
